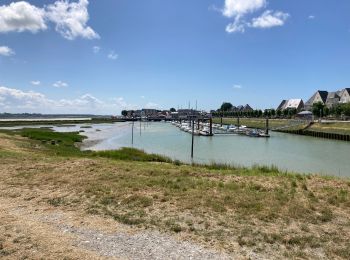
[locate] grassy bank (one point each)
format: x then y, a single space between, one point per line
334 128
273 214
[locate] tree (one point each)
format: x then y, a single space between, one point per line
273 112
124 113
279 112
226 106
317 109
345 109
172 109
326 111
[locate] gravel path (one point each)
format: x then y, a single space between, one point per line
129 244
142 245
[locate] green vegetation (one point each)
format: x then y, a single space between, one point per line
226 107
228 207
320 109
226 111
131 154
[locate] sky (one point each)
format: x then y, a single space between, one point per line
101 57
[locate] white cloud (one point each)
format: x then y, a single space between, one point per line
71 19
6 51
269 19
18 101
236 26
96 49
122 104
237 86
234 8
311 17
60 84
87 101
35 82
14 99
112 55
21 16
239 9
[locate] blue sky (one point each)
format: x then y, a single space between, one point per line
104 56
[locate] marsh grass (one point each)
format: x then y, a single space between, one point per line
131 154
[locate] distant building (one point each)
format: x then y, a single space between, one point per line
330 99
307 115
345 96
296 104
241 108
148 112
247 108
184 113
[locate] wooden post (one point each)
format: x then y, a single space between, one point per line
140 125
132 132
267 126
192 138
222 115
198 124
238 121
211 126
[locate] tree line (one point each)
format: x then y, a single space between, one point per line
226 111
321 110
287 113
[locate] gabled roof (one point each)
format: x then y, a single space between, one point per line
346 89
323 95
281 106
247 107
291 103
333 95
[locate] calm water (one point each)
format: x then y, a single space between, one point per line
288 152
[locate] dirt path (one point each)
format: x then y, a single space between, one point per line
30 230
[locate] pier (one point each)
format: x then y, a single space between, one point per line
205 127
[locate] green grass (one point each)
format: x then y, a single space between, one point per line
47 135
131 154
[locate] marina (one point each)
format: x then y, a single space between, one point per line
210 129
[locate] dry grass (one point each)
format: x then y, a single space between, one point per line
261 210
335 128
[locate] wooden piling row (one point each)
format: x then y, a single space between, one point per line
332 136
